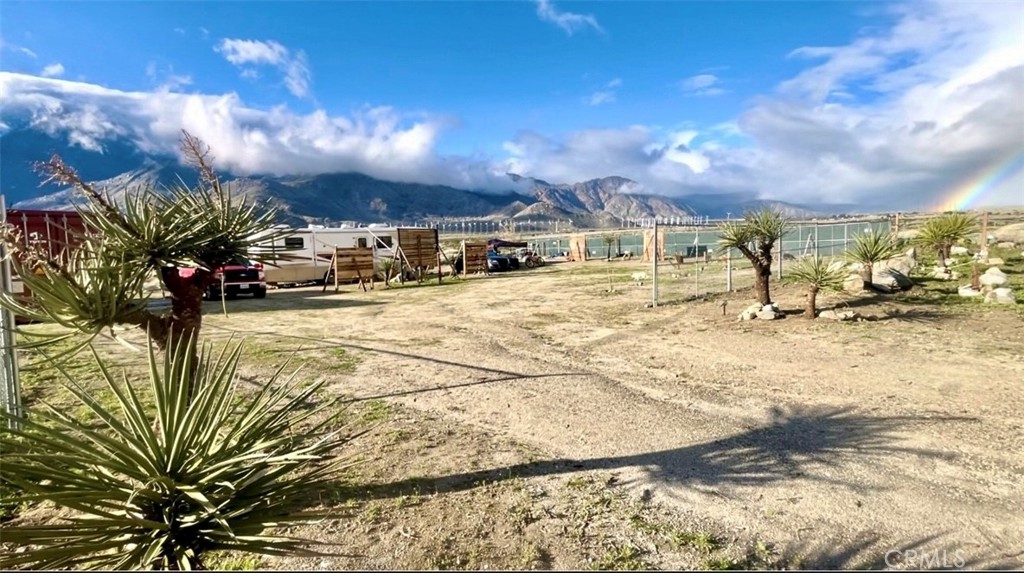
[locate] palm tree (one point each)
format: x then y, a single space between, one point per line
609 240
818 274
944 231
870 248
755 235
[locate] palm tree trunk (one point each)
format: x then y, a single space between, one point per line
812 299
866 273
762 275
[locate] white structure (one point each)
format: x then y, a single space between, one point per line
306 253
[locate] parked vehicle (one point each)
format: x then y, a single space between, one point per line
241 276
309 250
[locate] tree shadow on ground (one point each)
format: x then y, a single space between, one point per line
802 443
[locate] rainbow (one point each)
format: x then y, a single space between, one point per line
967 195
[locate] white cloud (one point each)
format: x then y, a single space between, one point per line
600 97
567 21
179 31
607 94
702 85
54 70
293 65
20 49
898 118
166 80
379 141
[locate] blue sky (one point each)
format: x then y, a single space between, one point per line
682 96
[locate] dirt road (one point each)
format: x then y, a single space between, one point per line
847 439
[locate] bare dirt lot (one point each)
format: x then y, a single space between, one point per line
535 419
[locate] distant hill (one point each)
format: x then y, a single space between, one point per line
336 197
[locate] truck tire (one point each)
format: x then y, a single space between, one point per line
259 293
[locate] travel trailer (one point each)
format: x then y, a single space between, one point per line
307 252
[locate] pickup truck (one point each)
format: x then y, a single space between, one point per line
240 276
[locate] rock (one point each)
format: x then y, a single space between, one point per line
958 250
1006 245
968 291
945 274
838 315
995 261
892 280
768 314
750 312
853 283
995 271
1001 296
992 280
902 265
1013 233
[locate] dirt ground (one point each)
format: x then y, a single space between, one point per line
536 420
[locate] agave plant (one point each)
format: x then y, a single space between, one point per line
817 274
944 231
159 486
387 269
869 248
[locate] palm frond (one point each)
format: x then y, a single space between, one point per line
818 272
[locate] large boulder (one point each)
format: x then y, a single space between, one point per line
1006 245
853 283
891 280
1001 296
1013 233
993 277
958 250
903 264
762 312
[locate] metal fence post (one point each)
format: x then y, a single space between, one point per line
654 270
10 387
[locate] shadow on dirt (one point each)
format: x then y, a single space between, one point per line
802 443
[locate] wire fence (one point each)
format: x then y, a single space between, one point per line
691 263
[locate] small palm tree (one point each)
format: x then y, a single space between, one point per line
609 240
869 248
755 235
817 274
944 231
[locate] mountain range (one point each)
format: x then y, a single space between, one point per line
330 198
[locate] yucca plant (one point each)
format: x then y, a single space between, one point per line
941 233
387 268
159 486
755 236
817 274
151 232
869 248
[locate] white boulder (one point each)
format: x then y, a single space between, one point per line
838 315
1001 296
993 277
958 250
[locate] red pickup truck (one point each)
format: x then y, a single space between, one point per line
240 276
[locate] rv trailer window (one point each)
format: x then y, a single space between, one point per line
294 242
384 242
361 242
